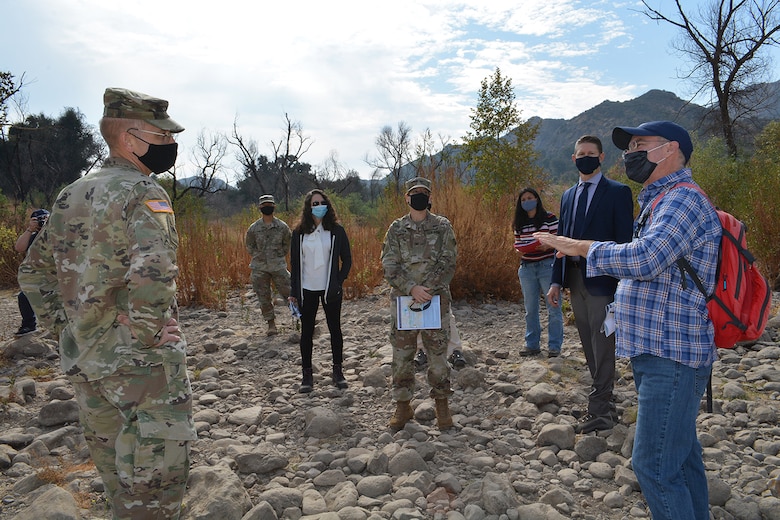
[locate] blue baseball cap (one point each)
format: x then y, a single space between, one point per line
621 135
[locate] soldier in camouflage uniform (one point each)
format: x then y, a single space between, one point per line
418 256
268 241
101 277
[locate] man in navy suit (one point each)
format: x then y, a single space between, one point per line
596 208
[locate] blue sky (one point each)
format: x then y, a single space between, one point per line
342 68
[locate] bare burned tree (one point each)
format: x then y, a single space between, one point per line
430 154
249 158
208 156
9 88
288 152
331 168
332 174
723 42
393 149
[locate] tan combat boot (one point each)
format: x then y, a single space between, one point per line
271 328
403 413
443 417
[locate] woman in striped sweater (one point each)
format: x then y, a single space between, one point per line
535 272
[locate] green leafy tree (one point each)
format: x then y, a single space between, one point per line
41 155
747 187
499 147
725 42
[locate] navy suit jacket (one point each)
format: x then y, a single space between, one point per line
610 217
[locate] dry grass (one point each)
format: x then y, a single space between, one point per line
58 474
214 262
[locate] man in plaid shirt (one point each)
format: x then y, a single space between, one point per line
662 325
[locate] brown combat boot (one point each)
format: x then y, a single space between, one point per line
443 417
403 413
271 328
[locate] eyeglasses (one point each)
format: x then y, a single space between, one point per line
319 203
419 307
634 145
164 135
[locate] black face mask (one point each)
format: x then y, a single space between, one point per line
267 210
638 167
419 201
587 164
159 157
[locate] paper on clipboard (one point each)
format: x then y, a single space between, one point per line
408 319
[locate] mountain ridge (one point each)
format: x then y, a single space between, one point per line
555 138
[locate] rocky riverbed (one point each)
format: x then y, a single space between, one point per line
266 452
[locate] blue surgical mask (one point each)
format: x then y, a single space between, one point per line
319 211
528 205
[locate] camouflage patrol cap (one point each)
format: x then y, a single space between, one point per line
267 198
127 104
417 182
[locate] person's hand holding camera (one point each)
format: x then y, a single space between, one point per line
34 225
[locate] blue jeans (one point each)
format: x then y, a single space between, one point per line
667 456
535 280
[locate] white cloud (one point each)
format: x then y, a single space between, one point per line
343 68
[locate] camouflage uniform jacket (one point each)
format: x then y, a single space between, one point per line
420 253
268 244
108 248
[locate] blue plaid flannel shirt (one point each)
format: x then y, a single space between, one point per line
654 313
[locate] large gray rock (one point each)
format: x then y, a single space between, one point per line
215 492
57 412
53 504
322 422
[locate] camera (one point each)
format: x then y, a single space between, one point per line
41 216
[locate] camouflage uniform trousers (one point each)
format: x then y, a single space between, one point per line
138 426
435 342
261 283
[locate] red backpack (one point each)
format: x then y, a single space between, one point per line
739 307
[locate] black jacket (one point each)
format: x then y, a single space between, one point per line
609 218
339 264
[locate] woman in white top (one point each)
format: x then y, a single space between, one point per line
320 259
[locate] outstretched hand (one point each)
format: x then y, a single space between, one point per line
564 246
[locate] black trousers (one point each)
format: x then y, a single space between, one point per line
589 314
311 302
27 312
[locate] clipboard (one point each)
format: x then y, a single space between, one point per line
416 317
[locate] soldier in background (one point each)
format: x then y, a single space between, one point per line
102 278
37 219
418 256
268 241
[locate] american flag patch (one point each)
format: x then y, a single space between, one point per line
159 206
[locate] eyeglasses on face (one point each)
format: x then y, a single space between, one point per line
633 145
164 135
319 203
636 144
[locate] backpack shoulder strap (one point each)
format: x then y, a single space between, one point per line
682 263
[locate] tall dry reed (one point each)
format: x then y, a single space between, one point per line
212 261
